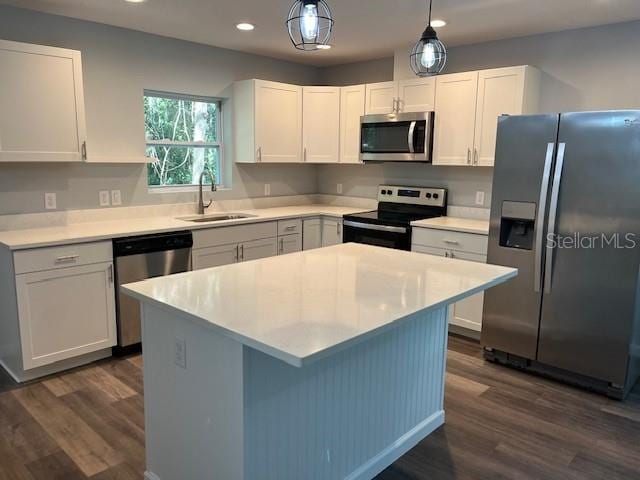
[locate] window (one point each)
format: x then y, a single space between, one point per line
183 138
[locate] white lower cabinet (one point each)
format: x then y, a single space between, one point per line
255 249
214 256
65 312
311 233
57 308
331 231
289 243
466 313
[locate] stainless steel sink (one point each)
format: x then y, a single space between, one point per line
215 217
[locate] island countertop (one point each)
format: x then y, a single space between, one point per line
306 305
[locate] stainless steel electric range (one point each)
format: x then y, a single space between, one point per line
390 225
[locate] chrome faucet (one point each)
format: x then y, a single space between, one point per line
201 205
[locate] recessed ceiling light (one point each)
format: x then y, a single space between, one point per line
322 46
245 26
134 1
438 23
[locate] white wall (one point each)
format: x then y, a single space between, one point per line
118 64
586 69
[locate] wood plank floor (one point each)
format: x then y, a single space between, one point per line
500 424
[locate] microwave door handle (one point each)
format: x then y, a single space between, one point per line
412 128
542 208
553 210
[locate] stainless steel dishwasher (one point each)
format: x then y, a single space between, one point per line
139 258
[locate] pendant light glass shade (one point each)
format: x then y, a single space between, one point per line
309 24
429 55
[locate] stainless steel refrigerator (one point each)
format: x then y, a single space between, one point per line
566 212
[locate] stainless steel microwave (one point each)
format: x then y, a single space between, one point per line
397 137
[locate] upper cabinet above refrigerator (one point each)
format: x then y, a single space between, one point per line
468 105
42 117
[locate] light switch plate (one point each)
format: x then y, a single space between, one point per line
50 202
104 198
180 352
479 197
339 189
267 189
116 198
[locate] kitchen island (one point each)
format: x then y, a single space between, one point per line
323 364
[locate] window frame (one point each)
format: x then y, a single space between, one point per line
219 144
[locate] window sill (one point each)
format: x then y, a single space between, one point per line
184 189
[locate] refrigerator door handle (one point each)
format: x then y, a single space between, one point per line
553 210
542 207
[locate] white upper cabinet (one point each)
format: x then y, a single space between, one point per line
502 91
42 116
381 98
416 95
351 109
454 128
468 106
321 124
267 122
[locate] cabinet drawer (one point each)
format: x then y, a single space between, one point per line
212 237
441 252
289 227
457 241
49 258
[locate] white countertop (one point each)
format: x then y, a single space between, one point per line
456 224
106 230
306 305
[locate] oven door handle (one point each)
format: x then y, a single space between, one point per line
410 140
372 226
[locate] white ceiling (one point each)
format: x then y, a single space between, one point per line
364 29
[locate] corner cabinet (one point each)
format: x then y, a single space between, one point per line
267 122
468 105
42 117
321 124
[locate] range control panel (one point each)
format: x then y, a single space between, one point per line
432 197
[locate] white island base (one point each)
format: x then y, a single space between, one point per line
326 364
237 413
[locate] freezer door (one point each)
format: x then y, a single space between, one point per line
590 285
524 158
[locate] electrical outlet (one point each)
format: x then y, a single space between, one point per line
180 352
104 198
116 198
50 202
339 189
267 189
479 197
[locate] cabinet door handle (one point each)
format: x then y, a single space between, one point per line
468 156
83 150
451 254
237 255
338 229
475 156
259 154
242 252
451 242
111 274
281 245
446 254
304 155
67 258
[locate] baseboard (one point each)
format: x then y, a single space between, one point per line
393 452
57 367
150 475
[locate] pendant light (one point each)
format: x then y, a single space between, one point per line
309 24
429 55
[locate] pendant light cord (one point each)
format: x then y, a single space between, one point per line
430 5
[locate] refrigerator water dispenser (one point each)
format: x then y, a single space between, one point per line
517 225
